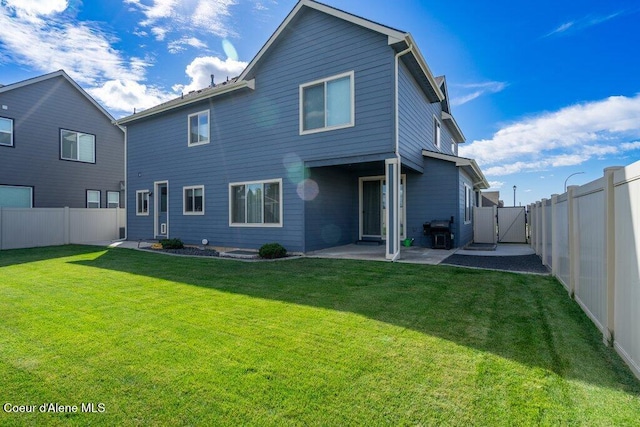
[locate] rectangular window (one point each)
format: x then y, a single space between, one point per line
468 203
113 199
256 203
16 196
142 202
93 198
436 133
6 132
327 104
193 200
199 128
77 146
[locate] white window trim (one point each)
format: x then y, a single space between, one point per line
11 133
78 133
254 224
145 213
468 193
437 133
99 198
184 206
352 85
195 144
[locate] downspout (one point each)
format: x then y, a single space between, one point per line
397 142
126 185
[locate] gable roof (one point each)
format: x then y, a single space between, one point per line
398 40
468 165
59 73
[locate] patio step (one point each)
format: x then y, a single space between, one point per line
371 242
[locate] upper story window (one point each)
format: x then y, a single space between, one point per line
437 134
256 203
199 128
6 132
193 200
77 146
327 104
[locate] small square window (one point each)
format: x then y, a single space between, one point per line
193 200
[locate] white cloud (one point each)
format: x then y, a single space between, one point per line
180 45
477 90
31 9
168 16
569 136
495 185
201 68
82 49
125 96
582 24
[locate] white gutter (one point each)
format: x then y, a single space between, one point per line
397 150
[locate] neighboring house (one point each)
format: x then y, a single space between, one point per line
58 147
490 198
335 132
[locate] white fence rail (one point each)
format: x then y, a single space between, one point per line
590 238
28 228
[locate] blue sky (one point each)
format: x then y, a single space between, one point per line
540 89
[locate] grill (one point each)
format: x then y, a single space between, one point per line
440 232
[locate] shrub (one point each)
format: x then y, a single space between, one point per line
272 250
172 243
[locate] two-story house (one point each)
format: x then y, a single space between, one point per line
58 147
337 131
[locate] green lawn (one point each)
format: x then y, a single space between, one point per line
162 340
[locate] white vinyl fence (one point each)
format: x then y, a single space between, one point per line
590 238
28 228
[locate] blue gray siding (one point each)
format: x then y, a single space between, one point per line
39 111
331 217
255 136
416 122
431 196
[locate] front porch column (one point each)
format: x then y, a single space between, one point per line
392 175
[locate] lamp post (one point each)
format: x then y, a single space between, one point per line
514 196
565 181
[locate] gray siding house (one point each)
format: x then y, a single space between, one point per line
58 147
336 132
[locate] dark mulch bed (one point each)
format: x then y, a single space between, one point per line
518 263
190 251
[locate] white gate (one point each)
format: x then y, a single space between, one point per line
512 225
485 226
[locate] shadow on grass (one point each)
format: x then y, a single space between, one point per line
528 319
10 257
